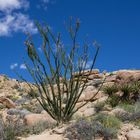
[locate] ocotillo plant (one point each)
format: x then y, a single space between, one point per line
53 76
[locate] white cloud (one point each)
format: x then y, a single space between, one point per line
10 5
13 66
14 21
44 4
46 1
40 49
83 64
22 66
88 64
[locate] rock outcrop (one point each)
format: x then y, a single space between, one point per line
133 135
126 76
33 119
7 102
16 100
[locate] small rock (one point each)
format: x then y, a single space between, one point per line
44 136
107 108
89 112
111 78
7 102
82 98
133 135
59 130
125 128
32 119
93 95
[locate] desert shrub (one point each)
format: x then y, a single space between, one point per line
101 131
99 106
137 107
36 108
33 93
113 100
5 77
38 127
135 116
110 89
137 123
55 76
1 130
10 130
100 126
123 116
20 89
127 107
136 90
108 133
81 130
106 126
132 112
2 106
109 126
14 97
108 121
129 93
126 90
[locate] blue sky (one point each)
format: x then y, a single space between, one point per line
115 24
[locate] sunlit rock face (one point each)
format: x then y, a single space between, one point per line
126 76
17 100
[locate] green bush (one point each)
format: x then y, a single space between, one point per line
126 90
135 116
14 97
105 126
9 130
136 90
34 108
132 112
99 106
109 133
137 107
54 77
127 107
113 100
129 93
38 128
137 123
108 121
110 89
98 126
33 93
